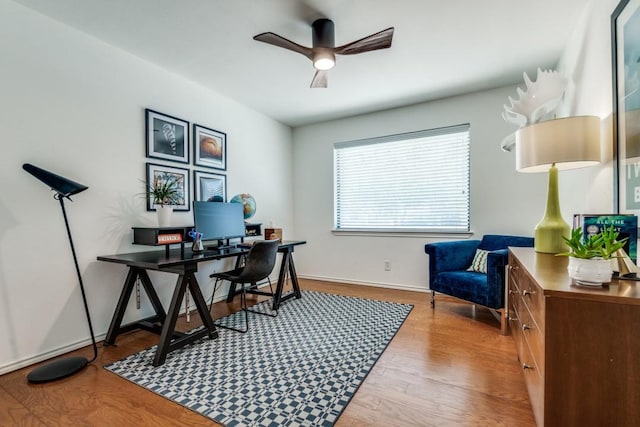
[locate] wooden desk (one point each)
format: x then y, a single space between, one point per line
578 347
185 265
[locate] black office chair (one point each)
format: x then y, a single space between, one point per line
258 264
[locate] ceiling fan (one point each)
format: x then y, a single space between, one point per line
323 53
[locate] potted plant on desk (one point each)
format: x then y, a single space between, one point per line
590 259
164 193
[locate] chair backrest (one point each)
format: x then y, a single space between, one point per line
259 262
492 242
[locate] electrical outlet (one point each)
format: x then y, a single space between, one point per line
387 265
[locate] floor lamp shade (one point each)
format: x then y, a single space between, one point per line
61 368
63 186
568 143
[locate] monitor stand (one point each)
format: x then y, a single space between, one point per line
223 245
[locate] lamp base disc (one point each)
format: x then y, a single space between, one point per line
57 369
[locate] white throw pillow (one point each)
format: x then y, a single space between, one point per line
479 262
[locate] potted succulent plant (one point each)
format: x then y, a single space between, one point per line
164 193
590 258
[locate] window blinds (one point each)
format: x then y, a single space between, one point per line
409 182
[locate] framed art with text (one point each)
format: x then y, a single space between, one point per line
158 174
167 137
209 187
625 46
209 148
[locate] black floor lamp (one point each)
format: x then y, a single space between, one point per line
65 367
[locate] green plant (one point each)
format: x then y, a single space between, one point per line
163 191
602 245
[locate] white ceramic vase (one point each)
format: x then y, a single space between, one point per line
164 215
590 272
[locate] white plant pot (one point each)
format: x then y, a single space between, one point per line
590 272
164 215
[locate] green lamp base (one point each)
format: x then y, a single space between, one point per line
551 228
548 236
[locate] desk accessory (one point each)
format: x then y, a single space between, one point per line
61 368
273 234
161 236
197 241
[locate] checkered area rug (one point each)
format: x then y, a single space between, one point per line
298 369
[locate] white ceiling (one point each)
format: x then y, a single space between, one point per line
440 47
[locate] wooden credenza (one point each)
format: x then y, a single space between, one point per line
579 347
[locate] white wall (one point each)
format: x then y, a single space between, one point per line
74 105
587 60
502 200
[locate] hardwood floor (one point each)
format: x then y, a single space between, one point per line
445 367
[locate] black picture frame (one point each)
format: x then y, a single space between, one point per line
207 185
625 56
209 147
181 175
167 137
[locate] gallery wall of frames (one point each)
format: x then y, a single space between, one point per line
185 152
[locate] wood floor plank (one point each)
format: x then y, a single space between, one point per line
12 413
447 365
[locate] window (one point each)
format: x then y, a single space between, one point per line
416 181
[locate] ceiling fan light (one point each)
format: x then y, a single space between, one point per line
324 60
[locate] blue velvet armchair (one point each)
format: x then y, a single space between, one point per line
449 261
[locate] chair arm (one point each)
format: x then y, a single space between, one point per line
496 262
497 258
450 256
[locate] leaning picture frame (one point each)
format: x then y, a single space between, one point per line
209 147
209 187
625 55
161 173
167 137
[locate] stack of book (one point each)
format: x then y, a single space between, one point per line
626 225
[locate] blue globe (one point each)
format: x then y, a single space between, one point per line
248 204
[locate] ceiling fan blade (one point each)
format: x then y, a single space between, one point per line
276 40
320 79
379 40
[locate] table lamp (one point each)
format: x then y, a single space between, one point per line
61 368
553 145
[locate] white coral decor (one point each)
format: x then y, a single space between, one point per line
540 99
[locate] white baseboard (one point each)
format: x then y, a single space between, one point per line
13 366
412 288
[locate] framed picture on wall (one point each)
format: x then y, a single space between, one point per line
209 147
158 174
625 40
167 137
209 187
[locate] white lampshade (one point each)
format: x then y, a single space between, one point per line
569 143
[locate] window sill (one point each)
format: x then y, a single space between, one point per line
402 233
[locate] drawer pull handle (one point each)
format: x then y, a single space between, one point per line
526 293
525 367
525 327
